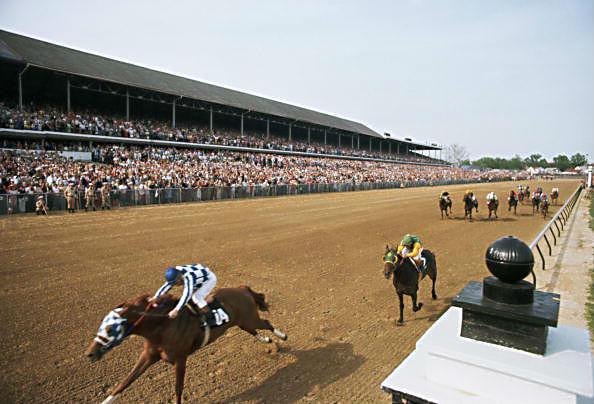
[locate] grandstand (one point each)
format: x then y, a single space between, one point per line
35 73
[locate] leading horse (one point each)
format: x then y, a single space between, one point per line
406 277
445 202
174 340
512 201
468 205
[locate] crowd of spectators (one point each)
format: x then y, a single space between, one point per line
53 119
136 167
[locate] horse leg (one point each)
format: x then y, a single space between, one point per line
401 306
266 325
143 363
259 337
415 307
180 374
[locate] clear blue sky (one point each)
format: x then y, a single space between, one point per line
500 77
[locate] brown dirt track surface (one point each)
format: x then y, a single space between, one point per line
317 258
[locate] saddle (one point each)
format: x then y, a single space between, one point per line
215 317
422 269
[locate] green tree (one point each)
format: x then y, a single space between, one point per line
562 162
534 160
516 163
578 159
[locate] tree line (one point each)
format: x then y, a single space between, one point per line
458 154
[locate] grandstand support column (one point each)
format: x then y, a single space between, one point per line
325 137
20 91
210 122
397 148
68 94
389 148
358 142
20 80
339 140
370 140
308 135
267 127
381 146
241 128
290 126
352 142
127 105
173 113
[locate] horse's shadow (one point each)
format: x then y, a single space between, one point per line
432 314
500 219
312 370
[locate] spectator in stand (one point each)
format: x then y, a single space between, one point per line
52 119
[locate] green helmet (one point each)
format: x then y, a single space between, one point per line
409 239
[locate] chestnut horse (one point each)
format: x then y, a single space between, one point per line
512 201
554 197
444 203
174 340
406 277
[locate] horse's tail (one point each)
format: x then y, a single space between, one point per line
259 298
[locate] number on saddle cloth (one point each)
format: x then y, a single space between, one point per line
217 315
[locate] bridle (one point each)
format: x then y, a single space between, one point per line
123 321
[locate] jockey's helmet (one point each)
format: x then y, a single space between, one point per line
171 274
408 240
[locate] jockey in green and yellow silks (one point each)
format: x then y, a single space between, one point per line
411 247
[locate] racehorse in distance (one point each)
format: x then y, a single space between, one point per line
445 202
544 207
512 201
174 340
406 277
492 205
554 196
527 193
535 202
468 205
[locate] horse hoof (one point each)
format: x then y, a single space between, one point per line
399 323
419 306
434 296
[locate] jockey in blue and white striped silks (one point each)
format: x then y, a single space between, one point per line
198 282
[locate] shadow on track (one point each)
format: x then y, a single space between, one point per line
313 370
501 219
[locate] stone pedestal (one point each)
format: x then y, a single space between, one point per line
446 367
512 315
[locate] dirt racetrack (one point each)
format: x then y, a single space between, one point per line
317 258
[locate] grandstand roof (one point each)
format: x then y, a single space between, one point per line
23 49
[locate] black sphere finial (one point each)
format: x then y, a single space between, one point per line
509 259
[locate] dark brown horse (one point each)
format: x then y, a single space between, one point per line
535 203
492 205
468 205
174 340
512 201
445 202
406 277
544 207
